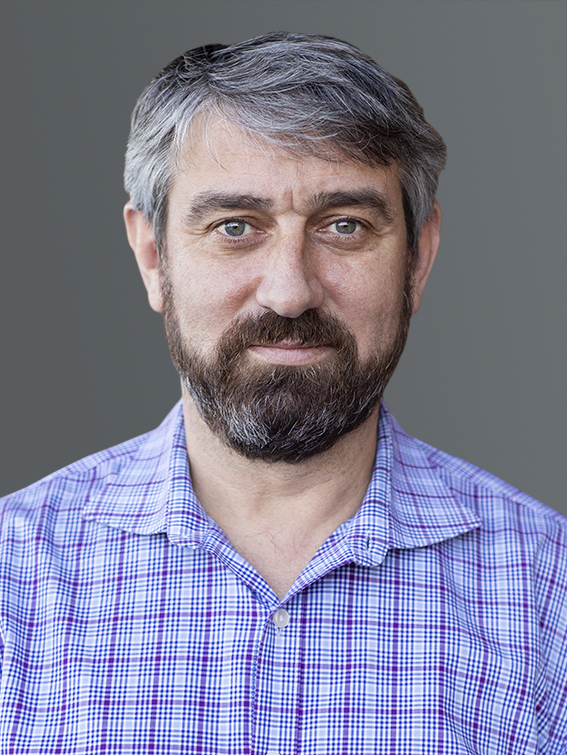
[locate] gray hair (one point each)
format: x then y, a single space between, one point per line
310 94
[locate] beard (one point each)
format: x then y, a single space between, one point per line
284 413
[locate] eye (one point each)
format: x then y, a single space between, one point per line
346 226
233 228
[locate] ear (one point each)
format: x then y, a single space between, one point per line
141 238
427 251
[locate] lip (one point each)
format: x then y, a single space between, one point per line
288 353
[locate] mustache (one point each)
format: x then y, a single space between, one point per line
311 328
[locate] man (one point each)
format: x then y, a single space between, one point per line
278 568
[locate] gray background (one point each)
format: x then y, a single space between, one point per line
84 362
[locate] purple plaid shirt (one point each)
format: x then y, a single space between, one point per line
433 621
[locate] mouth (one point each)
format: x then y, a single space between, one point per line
289 352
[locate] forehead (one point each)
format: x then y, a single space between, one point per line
218 155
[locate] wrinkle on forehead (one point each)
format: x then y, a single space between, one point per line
268 172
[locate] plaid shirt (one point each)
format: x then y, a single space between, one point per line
433 621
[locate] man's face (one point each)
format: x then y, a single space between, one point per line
286 287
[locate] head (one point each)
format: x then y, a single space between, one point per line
329 172
310 94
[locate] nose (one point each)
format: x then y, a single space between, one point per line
289 286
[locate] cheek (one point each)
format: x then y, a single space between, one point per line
368 297
207 299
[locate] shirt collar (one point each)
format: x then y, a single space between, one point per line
138 488
422 509
407 504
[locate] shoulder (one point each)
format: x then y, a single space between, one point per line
67 489
492 498
512 525
56 501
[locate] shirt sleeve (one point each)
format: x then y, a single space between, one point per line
551 595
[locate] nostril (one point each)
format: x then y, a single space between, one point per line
289 290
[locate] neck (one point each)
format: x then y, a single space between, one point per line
277 515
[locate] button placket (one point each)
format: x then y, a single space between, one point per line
276 690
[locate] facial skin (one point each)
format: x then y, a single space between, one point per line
256 235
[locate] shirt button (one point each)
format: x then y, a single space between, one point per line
281 620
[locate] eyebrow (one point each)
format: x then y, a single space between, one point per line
209 201
366 198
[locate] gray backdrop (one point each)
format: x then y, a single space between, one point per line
84 363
